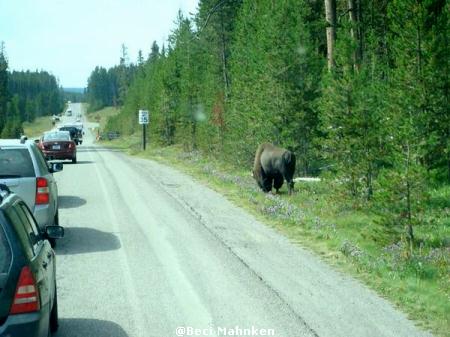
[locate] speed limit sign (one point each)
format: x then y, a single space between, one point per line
143 117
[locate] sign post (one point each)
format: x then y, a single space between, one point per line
143 119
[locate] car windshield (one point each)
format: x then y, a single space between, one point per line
56 136
68 128
15 163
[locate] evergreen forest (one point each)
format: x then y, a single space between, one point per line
25 95
358 89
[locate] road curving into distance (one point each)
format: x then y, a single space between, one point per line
149 252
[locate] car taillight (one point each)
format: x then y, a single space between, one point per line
26 298
42 191
71 146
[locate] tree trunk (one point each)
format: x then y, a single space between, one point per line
224 58
225 76
330 17
409 227
353 10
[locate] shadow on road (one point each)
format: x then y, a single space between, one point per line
70 201
77 327
79 240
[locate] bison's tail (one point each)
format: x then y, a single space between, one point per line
257 163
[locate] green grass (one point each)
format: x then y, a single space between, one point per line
37 127
101 116
349 237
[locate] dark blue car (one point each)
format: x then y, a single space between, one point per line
28 297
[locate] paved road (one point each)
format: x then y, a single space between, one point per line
148 250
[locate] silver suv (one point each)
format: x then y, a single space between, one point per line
24 170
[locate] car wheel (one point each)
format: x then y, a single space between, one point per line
74 160
55 223
54 324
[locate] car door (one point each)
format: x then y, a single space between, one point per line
44 248
6 257
37 249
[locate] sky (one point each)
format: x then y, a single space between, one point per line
69 38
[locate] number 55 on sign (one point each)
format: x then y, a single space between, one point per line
143 117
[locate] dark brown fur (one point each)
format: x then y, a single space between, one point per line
272 166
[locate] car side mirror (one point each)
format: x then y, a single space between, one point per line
36 141
56 167
54 232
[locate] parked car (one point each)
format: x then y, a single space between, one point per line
25 171
58 145
28 293
76 134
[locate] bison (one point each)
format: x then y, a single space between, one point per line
272 166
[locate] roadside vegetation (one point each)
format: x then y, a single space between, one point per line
101 116
37 127
349 235
358 90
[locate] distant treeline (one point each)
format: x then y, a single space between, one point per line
25 95
76 95
357 88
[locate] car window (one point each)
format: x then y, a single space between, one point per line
72 130
21 232
30 220
29 224
41 162
56 136
15 163
5 252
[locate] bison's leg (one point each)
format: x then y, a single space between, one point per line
288 173
260 184
268 181
290 186
278 182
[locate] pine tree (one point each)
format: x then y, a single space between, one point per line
4 96
140 58
216 22
436 28
403 185
13 127
183 52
